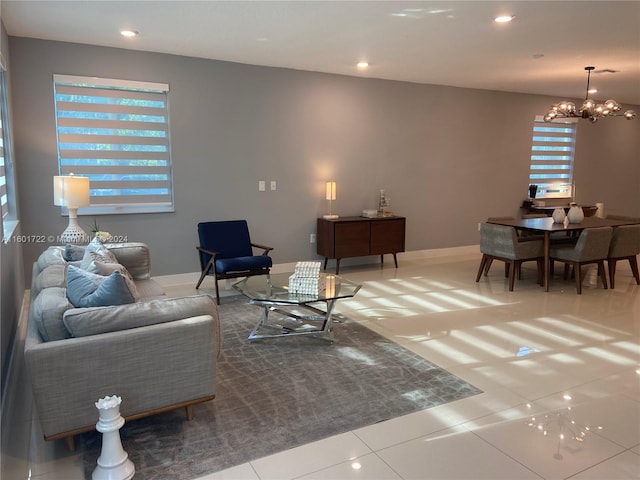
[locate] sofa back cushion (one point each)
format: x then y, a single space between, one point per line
51 276
51 256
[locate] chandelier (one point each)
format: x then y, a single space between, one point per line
590 109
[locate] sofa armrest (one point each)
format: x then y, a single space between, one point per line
151 368
135 257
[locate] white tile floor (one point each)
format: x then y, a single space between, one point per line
571 362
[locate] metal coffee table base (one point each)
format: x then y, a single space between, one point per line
293 321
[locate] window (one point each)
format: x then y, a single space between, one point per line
552 153
116 133
7 191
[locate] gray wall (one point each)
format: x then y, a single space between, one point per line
447 157
11 274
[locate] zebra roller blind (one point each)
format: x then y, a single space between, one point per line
116 133
552 153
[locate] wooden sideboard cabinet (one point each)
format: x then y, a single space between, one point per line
345 237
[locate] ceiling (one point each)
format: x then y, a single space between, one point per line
542 51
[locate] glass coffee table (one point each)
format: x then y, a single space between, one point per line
288 314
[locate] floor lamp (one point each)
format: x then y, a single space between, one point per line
71 192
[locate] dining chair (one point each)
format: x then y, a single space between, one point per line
226 251
592 247
523 236
625 245
500 242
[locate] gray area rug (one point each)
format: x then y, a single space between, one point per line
276 394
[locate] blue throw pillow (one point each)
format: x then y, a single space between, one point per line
86 289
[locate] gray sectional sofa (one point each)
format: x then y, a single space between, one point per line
157 353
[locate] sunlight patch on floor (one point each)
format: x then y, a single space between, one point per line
510 337
563 341
610 357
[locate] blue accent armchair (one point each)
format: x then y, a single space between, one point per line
226 251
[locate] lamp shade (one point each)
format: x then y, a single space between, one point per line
331 190
71 191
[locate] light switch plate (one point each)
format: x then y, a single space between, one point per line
261 186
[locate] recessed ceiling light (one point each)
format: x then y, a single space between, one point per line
128 33
363 65
504 18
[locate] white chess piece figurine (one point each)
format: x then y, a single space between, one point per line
113 463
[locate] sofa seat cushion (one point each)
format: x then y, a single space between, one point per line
86 289
243 264
47 310
82 322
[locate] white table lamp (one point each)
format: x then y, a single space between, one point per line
71 192
331 195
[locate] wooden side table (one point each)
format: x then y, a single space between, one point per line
346 237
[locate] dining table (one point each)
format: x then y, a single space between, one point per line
546 226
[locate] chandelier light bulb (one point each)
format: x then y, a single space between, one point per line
612 105
589 110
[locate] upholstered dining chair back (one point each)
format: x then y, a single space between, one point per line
500 242
625 241
592 247
593 244
625 245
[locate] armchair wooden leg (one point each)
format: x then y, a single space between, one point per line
204 274
217 292
189 410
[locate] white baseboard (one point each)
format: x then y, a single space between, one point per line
192 277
